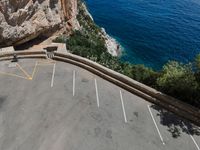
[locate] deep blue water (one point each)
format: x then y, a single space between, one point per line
151 31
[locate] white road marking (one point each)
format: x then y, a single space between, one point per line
97 94
123 108
195 143
74 78
53 74
156 125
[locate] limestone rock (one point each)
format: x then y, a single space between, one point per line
24 20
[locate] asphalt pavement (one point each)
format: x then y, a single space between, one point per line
49 105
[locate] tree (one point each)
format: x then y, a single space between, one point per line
197 63
144 75
179 81
197 71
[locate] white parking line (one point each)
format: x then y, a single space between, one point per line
74 78
156 125
195 143
52 79
97 94
123 108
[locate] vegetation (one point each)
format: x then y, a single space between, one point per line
181 81
197 63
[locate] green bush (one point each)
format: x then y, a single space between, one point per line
60 39
85 46
197 63
144 75
197 76
179 81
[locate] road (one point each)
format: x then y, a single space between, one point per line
48 105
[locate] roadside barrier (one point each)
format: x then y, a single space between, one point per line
171 104
22 54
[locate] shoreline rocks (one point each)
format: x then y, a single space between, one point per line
113 47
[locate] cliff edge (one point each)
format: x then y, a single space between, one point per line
24 20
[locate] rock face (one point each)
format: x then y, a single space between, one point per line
24 20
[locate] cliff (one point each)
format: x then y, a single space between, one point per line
88 27
24 20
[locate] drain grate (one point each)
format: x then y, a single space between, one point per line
50 51
50 55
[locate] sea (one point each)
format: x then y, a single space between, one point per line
151 32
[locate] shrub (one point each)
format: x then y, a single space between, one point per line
197 63
179 81
144 75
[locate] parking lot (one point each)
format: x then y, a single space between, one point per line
48 105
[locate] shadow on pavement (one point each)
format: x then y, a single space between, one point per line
175 124
2 100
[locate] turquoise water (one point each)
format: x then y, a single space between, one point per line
151 31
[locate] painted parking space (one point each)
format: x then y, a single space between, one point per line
140 123
110 102
67 107
195 132
10 69
24 69
174 129
84 88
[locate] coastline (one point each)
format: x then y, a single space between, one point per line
112 45
93 43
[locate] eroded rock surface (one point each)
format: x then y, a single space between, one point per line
23 20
